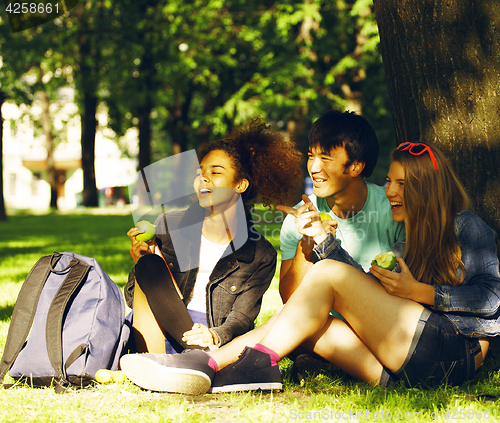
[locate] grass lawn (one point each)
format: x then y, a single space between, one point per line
25 238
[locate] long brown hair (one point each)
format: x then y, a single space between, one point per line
432 198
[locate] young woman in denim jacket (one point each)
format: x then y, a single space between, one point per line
222 296
427 323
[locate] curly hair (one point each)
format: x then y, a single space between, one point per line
267 159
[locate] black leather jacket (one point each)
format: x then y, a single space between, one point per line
238 281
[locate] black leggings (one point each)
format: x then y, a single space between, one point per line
154 279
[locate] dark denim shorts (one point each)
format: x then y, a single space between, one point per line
438 354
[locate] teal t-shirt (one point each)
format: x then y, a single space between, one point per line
369 232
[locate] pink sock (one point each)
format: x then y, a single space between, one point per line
275 358
212 363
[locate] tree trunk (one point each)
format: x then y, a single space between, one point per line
89 125
3 214
352 78
179 121
144 111
144 127
49 145
442 62
88 91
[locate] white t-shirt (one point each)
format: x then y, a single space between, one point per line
210 254
369 232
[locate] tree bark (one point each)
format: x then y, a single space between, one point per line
89 125
442 63
49 145
179 121
88 91
3 214
144 111
351 79
144 127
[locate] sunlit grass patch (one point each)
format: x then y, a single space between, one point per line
26 238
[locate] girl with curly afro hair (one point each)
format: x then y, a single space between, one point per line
267 159
211 253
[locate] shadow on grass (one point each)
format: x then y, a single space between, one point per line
8 251
6 313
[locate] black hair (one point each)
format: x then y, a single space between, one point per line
349 130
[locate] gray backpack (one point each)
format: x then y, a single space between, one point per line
68 322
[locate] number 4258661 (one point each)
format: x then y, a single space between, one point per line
32 8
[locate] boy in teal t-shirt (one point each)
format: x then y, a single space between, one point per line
343 151
369 232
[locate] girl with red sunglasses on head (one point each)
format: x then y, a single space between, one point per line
426 323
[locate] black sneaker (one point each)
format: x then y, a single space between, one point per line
186 373
250 372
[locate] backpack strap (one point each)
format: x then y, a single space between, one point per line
53 332
24 310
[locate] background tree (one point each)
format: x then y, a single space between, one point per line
49 78
193 70
131 84
308 57
9 88
3 214
18 54
85 39
184 73
442 60
32 70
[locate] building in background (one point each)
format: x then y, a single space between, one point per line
25 174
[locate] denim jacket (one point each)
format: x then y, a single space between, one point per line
238 281
474 305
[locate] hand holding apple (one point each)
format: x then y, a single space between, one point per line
385 260
148 231
329 223
325 216
137 236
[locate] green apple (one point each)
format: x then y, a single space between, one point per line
385 260
149 231
325 216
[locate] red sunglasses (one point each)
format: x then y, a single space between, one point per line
417 149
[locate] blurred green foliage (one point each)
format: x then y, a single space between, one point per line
184 72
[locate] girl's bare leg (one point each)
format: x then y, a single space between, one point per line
339 344
383 322
335 342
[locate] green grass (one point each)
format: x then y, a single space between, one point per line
25 238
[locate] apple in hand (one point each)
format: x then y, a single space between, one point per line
325 216
148 231
385 260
